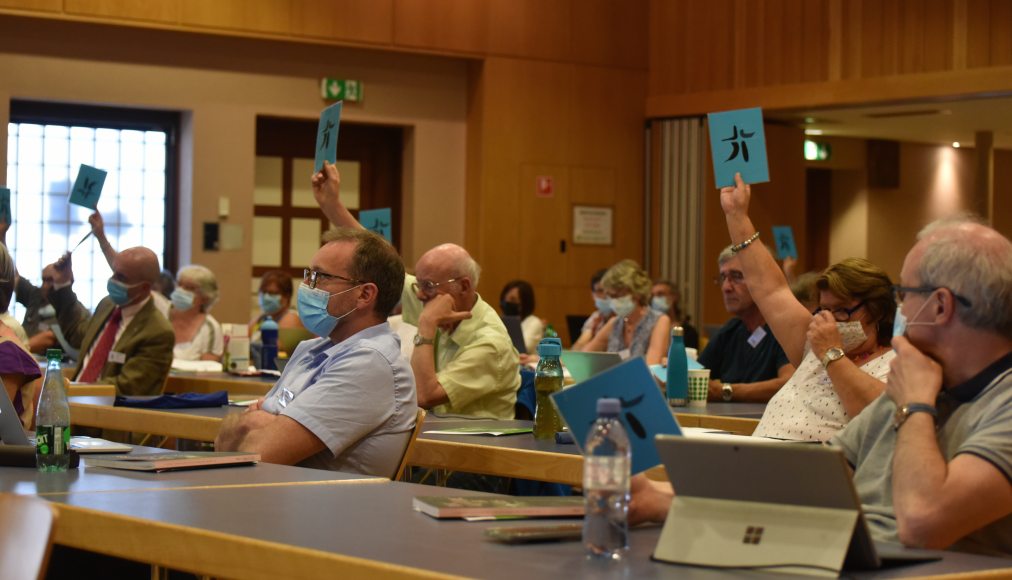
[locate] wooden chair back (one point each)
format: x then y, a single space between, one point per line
419 420
26 536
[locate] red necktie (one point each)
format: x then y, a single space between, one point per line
103 347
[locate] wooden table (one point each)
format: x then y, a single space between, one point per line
178 382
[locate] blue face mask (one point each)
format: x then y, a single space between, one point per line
900 323
312 305
47 312
119 292
603 306
270 303
182 299
660 304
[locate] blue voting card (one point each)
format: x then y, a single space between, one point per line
738 144
5 206
326 135
87 187
377 221
644 414
783 237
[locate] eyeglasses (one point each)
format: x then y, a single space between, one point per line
314 277
734 276
841 314
428 287
900 292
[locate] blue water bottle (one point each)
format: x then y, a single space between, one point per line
607 459
269 339
677 386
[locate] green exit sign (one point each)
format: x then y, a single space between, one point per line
341 90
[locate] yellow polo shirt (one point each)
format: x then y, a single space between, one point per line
476 363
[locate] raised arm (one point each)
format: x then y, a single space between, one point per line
98 230
327 191
787 317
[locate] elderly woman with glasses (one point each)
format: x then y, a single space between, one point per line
636 329
841 351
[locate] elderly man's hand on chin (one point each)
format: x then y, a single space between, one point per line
913 376
439 311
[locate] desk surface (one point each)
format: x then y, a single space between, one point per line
178 382
317 531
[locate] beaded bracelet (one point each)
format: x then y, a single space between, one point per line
748 242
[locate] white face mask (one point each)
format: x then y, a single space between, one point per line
623 306
660 304
852 334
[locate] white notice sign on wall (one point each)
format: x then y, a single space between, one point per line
592 225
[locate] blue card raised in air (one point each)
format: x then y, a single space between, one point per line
645 413
87 187
326 135
377 221
738 144
783 237
5 206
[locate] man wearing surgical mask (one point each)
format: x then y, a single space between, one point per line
841 352
42 321
127 342
346 400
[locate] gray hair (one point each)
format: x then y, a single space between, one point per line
627 275
973 261
7 275
726 254
205 280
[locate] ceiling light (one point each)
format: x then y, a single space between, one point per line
955 144
813 131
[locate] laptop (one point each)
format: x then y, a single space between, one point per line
767 505
516 333
583 365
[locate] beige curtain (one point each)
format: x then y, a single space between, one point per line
682 163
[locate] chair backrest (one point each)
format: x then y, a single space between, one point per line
526 396
419 420
26 536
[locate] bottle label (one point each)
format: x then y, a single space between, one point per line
609 472
52 440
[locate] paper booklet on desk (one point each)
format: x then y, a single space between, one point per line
485 506
171 461
753 504
495 432
644 414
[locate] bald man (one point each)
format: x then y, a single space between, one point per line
127 342
464 362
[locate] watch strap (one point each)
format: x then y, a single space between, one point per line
909 409
420 340
726 392
832 355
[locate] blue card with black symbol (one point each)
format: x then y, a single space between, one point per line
377 221
738 144
326 135
87 187
5 206
644 415
783 237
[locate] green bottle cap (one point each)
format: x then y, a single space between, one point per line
54 353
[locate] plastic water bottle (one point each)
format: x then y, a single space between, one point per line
547 380
677 385
606 462
269 339
52 419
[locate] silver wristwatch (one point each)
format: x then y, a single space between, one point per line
726 392
419 340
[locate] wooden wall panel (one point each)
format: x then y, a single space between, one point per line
256 16
784 42
531 28
989 41
162 11
609 32
685 56
442 25
359 20
34 5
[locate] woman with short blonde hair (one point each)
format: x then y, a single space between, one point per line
636 329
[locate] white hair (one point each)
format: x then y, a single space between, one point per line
206 282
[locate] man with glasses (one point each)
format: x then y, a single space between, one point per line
346 400
127 342
463 361
746 362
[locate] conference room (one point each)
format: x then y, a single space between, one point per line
551 140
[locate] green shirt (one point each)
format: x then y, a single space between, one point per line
476 364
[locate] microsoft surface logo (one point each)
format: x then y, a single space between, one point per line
753 535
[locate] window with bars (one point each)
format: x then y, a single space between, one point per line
47 143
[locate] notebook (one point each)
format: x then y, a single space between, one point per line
771 506
583 365
516 332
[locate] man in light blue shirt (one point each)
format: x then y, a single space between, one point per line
346 401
